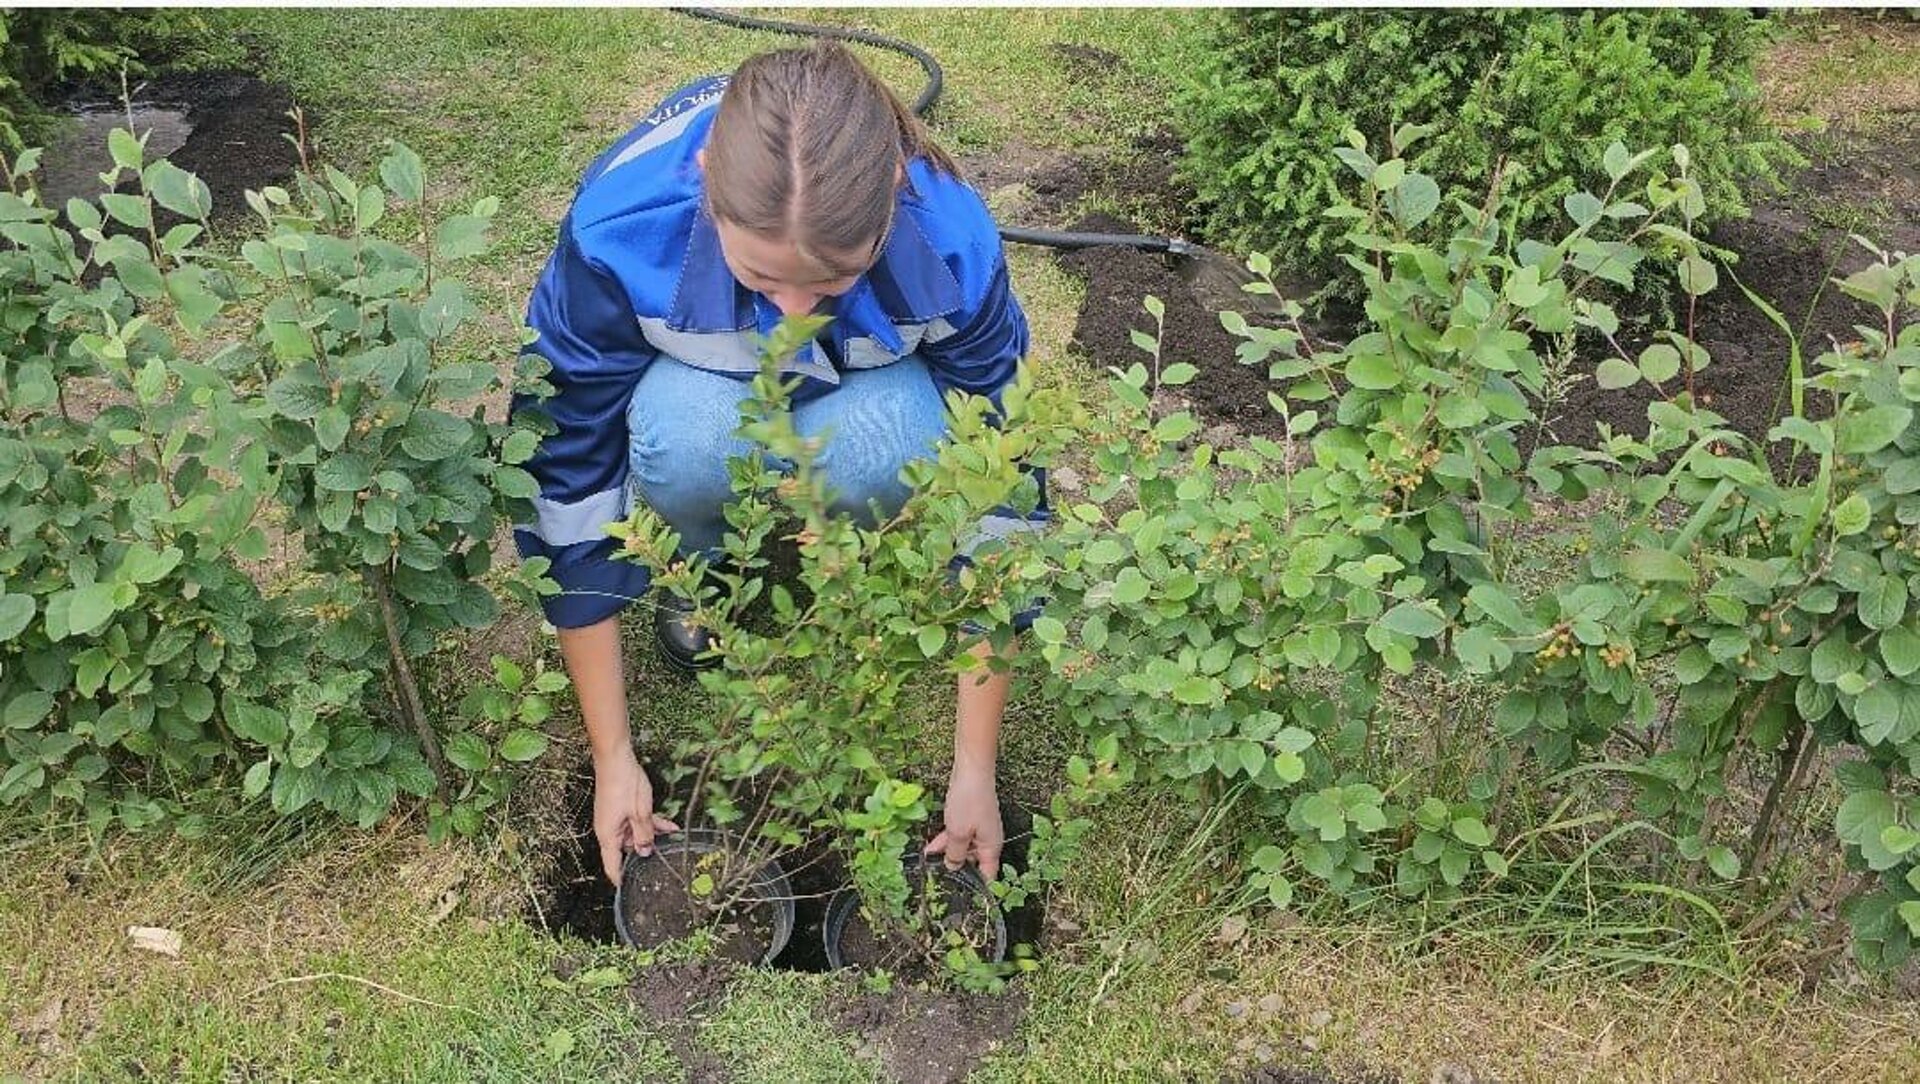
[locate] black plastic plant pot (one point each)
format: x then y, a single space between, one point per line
660 889
843 917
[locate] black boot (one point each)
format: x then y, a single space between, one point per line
682 643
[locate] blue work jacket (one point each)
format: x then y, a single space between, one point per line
637 273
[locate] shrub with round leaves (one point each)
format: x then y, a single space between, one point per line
1229 616
131 476
374 406
140 456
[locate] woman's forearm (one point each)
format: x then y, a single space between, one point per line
592 657
983 701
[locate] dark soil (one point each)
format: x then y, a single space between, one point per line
1118 279
943 902
1086 61
1045 189
817 872
240 129
673 995
927 1037
238 138
577 900
659 906
1786 251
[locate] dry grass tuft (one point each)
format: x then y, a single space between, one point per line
1845 70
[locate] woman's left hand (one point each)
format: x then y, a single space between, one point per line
973 824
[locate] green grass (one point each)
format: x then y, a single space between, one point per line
330 966
515 103
278 980
771 1031
319 953
501 1018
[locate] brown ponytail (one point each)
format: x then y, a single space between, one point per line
808 146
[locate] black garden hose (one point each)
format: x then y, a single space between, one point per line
935 77
1055 239
929 95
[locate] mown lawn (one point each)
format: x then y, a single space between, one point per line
313 952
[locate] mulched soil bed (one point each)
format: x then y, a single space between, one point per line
1786 252
1117 280
240 133
239 137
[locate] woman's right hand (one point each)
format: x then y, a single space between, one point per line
623 816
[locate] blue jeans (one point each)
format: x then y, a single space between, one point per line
680 430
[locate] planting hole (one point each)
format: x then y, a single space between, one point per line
577 900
